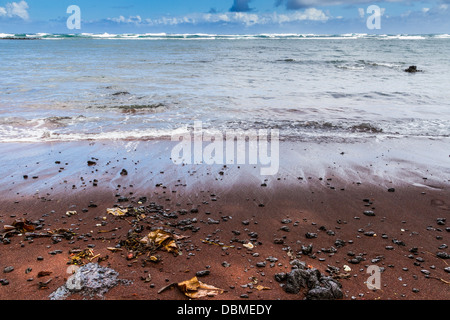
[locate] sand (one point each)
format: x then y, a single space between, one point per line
320 188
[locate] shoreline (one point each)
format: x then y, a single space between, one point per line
320 188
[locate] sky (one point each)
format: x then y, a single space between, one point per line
227 16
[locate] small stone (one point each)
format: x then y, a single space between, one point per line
425 272
311 235
443 255
369 213
391 190
8 269
261 264
4 282
280 277
202 273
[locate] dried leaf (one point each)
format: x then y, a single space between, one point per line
22 225
195 289
118 212
260 287
248 245
162 239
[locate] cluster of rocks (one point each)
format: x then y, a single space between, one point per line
319 287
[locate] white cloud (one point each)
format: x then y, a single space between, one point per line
310 14
15 9
301 4
130 19
245 18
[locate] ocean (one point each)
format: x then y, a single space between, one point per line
319 88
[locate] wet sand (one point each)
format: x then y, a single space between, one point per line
322 189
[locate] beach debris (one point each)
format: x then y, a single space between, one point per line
90 280
44 274
19 226
80 257
248 245
160 239
319 287
118 212
44 285
149 244
194 288
261 287
216 244
54 234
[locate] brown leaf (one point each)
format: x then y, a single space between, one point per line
162 239
260 287
195 289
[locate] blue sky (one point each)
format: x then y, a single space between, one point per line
225 16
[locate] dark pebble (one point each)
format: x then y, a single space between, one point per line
4 282
202 273
8 269
310 235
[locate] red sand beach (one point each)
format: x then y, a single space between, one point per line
322 189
